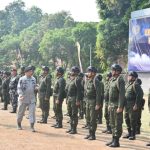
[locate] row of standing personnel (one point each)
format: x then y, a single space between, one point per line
77 90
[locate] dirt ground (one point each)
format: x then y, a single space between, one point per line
48 138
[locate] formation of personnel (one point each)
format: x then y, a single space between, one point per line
85 95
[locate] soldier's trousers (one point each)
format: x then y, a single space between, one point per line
6 99
14 100
58 111
54 105
91 114
107 114
73 112
130 117
139 115
116 120
44 105
21 110
81 108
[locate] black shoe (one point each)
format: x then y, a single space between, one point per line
132 138
109 143
4 109
115 143
43 121
85 126
109 132
88 136
58 126
54 125
32 127
19 126
126 136
105 131
68 131
148 144
92 137
13 111
73 132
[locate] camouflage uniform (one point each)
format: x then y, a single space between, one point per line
132 97
59 94
93 93
116 100
74 93
1 89
44 96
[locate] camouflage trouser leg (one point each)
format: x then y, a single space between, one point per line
14 100
6 100
139 115
45 110
59 114
130 118
73 112
54 104
116 120
107 115
81 108
100 114
91 114
84 107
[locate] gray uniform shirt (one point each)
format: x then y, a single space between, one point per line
26 88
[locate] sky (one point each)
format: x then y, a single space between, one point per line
81 10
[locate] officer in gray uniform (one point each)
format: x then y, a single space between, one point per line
26 91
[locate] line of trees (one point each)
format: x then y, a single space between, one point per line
29 36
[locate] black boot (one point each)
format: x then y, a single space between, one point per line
13 111
127 135
71 128
32 127
19 126
132 136
148 144
92 137
138 131
59 125
115 142
89 135
109 130
109 143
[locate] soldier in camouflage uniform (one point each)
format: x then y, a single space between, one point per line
5 89
106 98
59 95
74 93
45 93
149 110
93 93
132 101
13 90
116 104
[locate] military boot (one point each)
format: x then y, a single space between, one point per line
109 143
32 127
109 130
127 135
92 137
74 129
59 125
19 126
115 142
88 136
13 111
132 136
138 131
